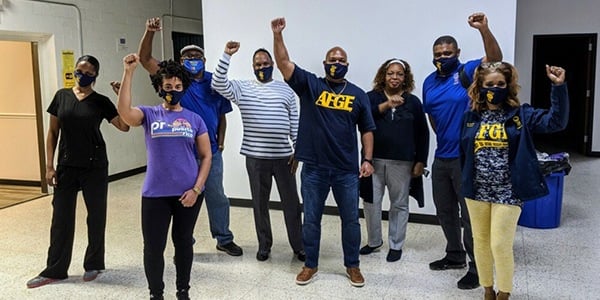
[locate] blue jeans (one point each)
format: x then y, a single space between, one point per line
316 183
217 204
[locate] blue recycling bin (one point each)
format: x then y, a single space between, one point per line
545 212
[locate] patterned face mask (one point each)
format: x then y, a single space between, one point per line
336 70
493 95
171 97
264 74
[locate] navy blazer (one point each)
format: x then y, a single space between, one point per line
527 180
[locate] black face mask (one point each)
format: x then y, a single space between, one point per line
493 95
171 97
336 70
84 80
264 74
445 65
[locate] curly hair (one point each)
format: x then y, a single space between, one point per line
510 76
169 69
379 82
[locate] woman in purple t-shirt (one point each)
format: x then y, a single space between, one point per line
174 182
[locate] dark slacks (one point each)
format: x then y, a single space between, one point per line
156 217
452 210
260 174
93 182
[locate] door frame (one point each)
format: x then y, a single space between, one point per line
588 106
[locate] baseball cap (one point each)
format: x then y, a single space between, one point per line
191 47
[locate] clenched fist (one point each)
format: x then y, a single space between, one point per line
153 24
232 47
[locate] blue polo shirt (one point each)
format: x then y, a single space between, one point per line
201 99
329 114
446 100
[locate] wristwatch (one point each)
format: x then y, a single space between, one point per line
370 161
196 190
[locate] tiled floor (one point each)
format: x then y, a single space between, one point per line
561 263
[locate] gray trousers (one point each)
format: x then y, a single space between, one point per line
260 174
452 210
396 175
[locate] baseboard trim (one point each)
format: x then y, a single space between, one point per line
20 182
333 211
126 174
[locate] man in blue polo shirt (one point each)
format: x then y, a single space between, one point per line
212 107
445 100
331 109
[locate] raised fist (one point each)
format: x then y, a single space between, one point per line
130 61
232 47
277 25
478 20
555 74
153 24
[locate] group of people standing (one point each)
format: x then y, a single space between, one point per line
484 153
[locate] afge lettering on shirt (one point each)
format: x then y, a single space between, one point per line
335 101
491 136
179 128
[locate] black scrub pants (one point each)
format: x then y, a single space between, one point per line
93 182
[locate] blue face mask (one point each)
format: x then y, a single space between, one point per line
264 74
171 97
493 95
194 66
445 65
336 70
84 80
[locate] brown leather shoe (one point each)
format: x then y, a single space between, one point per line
502 296
306 275
490 294
356 278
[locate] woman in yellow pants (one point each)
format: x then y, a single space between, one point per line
500 168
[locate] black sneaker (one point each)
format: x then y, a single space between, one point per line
301 255
394 255
469 281
182 295
445 264
368 249
230 248
262 255
156 297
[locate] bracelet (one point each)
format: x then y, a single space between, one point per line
370 161
196 190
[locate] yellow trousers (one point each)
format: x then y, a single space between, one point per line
494 226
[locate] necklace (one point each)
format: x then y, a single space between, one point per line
393 109
341 91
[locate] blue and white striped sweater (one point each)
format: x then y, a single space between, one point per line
269 113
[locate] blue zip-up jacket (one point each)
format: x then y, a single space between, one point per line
527 180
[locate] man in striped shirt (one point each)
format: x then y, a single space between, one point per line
270 120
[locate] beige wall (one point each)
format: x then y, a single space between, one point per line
19 151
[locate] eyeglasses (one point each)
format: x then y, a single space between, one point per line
491 65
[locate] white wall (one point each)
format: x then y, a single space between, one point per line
93 27
370 32
555 17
